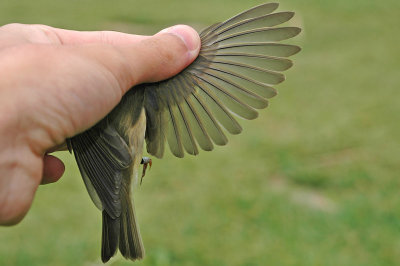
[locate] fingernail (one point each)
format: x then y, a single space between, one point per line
188 35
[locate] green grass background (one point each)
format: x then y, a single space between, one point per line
313 181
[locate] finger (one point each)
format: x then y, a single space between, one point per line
63 36
18 184
16 33
53 169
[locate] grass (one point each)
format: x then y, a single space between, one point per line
313 181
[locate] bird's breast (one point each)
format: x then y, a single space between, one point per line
135 137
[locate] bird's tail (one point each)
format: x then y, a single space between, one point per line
130 241
110 236
122 232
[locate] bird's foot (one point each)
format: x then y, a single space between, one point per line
145 161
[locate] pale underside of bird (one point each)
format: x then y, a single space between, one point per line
239 62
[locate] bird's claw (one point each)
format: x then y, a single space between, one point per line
145 161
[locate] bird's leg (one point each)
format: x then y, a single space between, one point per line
145 161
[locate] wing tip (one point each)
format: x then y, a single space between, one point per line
297 30
291 14
177 153
272 4
296 50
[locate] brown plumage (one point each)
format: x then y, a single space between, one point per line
239 62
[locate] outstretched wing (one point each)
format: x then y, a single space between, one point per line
239 62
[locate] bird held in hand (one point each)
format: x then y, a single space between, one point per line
239 62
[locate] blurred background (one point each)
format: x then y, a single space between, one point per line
313 181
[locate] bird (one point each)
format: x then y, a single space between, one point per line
239 62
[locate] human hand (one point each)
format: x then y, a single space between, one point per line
57 83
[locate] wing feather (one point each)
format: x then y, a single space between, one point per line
238 62
232 102
187 135
174 132
218 109
213 127
101 164
268 20
254 12
239 92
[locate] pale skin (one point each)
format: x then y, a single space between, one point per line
57 83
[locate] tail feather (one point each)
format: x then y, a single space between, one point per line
130 241
110 237
122 233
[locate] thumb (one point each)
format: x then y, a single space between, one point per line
165 54
149 59
126 61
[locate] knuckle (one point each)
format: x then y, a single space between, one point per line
104 37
